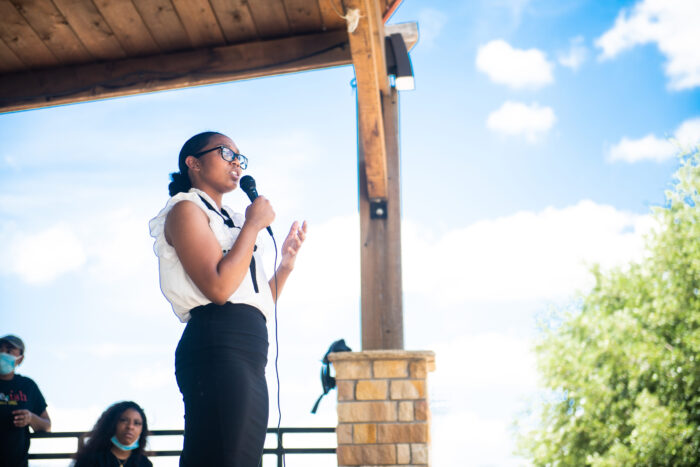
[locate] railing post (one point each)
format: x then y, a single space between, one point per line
280 451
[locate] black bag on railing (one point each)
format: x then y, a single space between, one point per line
327 381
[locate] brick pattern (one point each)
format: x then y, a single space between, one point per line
383 411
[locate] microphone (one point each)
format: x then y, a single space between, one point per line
248 186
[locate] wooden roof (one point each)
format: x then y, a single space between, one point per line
60 51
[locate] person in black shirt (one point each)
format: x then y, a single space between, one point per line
117 440
21 405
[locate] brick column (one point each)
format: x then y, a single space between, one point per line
383 412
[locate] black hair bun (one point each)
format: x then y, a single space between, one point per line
180 183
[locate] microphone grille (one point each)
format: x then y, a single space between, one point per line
247 183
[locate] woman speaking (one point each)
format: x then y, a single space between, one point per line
211 271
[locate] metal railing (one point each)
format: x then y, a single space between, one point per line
279 451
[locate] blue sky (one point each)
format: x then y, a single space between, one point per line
534 145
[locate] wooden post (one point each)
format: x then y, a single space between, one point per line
378 156
368 58
382 294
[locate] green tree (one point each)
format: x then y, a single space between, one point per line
623 371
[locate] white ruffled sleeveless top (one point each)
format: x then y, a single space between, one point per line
177 286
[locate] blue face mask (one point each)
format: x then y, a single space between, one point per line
130 447
7 363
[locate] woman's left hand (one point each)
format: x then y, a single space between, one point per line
291 245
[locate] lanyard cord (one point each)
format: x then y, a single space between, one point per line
227 219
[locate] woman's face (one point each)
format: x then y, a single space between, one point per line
211 170
129 427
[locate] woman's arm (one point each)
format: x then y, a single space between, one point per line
215 274
290 248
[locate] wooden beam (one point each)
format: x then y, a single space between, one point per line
28 90
409 31
367 48
380 257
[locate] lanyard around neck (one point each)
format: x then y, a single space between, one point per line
227 219
229 222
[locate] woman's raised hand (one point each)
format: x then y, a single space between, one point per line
292 244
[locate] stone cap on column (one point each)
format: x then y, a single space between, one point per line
383 364
427 355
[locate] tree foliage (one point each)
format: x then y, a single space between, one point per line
623 370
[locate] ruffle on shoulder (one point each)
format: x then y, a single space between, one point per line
157 225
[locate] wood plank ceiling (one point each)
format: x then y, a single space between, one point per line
60 51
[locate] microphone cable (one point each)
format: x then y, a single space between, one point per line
277 354
247 184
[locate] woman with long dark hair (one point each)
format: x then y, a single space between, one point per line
117 440
211 271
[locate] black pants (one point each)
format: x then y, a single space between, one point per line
220 370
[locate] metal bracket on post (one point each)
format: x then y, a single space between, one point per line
377 208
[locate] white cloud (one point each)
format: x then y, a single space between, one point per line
576 54
293 151
647 148
516 118
651 147
119 245
515 68
10 162
151 378
110 244
514 7
81 149
81 418
477 376
672 25
430 22
525 256
332 246
499 360
116 349
42 256
687 135
474 439
542 255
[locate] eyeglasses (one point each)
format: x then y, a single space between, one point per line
228 155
